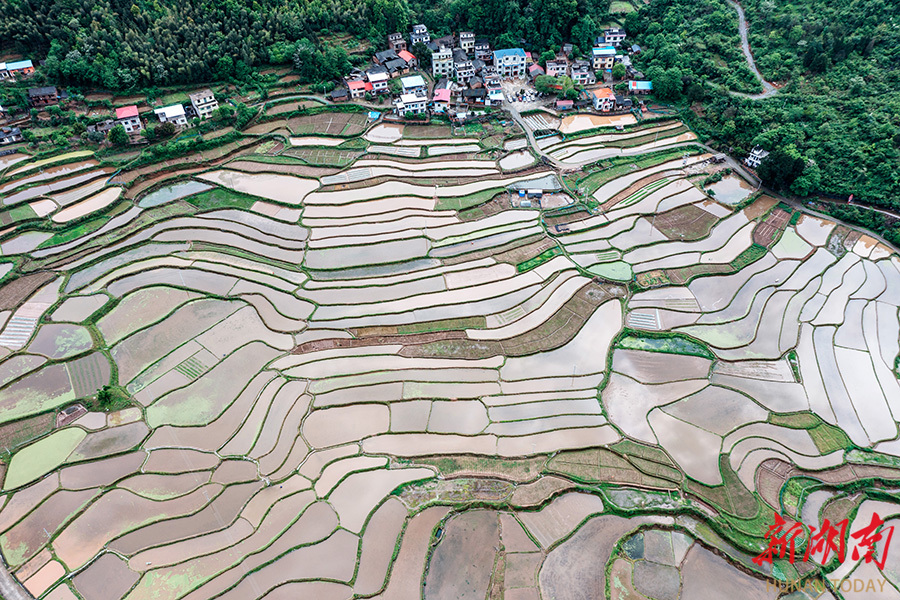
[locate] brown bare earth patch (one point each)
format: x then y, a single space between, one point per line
552 333
252 166
566 217
413 339
17 433
523 253
688 223
492 252
767 232
329 123
760 206
16 291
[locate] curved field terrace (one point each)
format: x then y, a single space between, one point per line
392 362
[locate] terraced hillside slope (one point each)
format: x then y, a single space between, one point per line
376 363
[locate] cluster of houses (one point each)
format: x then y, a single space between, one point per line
468 72
201 106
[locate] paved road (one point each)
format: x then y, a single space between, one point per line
10 589
768 88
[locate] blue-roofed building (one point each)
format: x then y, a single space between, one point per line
603 58
413 84
11 69
510 62
640 87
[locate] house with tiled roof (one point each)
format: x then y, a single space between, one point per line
128 117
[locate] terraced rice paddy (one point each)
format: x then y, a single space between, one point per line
389 380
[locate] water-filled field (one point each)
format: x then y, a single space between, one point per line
395 379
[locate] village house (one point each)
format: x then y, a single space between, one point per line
103 126
396 67
483 50
623 102
419 35
463 69
582 73
640 87
757 155
557 67
490 75
535 70
476 82
447 40
410 103
172 114
204 103
43 96
603 99
396 42
510 62
568 49
384 56
379 81
603 58
3 112
494 92
411 61
474 97
358 88
13 69
339 95
10 135
467 42
441 100
128 117
564 104
442 63
414 84
614 35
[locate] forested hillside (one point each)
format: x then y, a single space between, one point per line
837 118
121 44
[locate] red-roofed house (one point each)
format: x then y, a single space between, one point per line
603 98
441 99
357 89
535 70
410 59
128 117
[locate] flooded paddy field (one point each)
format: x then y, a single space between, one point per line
394 379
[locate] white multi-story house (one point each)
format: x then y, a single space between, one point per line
442 63
463 71
582 73
483 50
510 62
128 117
603 58
172 114
410 103
419 35
757 155
379 82
614 35
414 84
396 42
467 42
204 103
557 67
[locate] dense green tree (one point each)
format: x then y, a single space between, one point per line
781 167
618 71
118 136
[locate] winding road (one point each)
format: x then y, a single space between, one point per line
768 88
